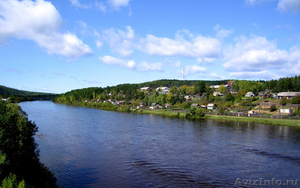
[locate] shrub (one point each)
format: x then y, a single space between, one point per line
199 112
273 108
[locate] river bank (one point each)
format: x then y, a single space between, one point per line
165 112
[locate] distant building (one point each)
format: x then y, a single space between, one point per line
288 95
145 89
218 93
196 105
249 94
210 106
163 89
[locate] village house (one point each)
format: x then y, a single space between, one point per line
163 89
145 89
249 94
218 93
285 111
196 105
210 106
187 97
167 105
155 106
288 95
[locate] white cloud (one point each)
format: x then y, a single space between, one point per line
198 46
118 3
286 6
259 58
99 44
215 75
144 66
117 62
39 21
289 6
76 3
120 41
100 6
255 54
222 33
191 70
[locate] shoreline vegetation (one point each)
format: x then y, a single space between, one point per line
20 165
186 114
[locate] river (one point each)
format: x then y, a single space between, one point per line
94 148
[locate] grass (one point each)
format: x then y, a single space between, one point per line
285 122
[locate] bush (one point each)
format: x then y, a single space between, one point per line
199 112
273 108
192 110
283 101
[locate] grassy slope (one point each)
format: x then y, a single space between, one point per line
285 122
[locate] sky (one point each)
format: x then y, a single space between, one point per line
59 45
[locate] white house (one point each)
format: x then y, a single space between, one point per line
210 106
144 89
249 94
163 89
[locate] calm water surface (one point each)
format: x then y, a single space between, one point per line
95 148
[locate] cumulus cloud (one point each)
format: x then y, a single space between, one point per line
198 46
118 3
258 57
255 54
122 42
118 62
145 66
192 70
286 6
39 21
125 42
222 33
76 3
289 6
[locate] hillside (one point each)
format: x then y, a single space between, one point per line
8 92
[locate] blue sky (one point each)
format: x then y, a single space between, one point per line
60 45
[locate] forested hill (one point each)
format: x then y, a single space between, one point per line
87 93
132 90
7 92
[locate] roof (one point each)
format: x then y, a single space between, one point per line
210 105
288 94
249 93
143 88
195 104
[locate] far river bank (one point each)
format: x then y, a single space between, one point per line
165 112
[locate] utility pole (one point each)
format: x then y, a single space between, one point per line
183 73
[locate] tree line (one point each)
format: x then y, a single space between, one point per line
19 157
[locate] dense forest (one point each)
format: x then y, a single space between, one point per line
19 157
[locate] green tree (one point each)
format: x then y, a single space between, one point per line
18 150
222 89
283 101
